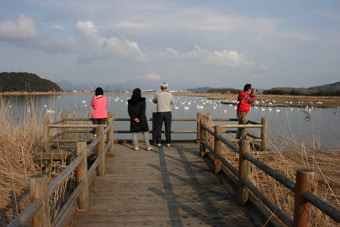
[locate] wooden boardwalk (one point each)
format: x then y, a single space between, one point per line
164 187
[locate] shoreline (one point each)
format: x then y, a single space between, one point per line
264 99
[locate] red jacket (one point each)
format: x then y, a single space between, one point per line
244 101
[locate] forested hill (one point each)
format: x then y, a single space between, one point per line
22 81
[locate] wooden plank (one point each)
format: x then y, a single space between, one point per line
164 187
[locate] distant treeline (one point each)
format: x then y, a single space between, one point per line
26 82
224 91
294 92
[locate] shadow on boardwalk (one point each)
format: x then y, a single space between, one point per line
164 187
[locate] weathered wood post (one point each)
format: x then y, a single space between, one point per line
110 132
39 190
64 122
83 199
305 182
243 171
199 117
100 150
47 135
202 137
264 134
217 149
154 133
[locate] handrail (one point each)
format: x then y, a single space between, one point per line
54 185
26 214
307 196
80 193
322 205
39 208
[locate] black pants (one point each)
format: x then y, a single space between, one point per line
98 121
166 118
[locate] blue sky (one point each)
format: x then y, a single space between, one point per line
188 43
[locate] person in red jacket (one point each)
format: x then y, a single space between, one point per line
244 99
99 111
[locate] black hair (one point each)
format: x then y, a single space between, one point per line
247 87
99 91
136 93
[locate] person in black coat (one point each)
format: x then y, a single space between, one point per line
138 121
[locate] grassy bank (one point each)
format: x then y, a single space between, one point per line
324 163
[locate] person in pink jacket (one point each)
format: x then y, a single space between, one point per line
99 111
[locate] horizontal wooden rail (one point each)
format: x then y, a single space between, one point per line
241 126
74 126
266 201
271 172
322 205
39 209
23 218
60 219
55 184
300 212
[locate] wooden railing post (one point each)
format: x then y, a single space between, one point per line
264 134
47 135
100 150
154 114
39 190
83 200
110 132
243 171
202 137
199 117
64 122
217 149
305 182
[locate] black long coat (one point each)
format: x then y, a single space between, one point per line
136 109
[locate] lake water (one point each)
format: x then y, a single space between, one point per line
284 124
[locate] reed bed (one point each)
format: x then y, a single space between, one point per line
286 159
21 142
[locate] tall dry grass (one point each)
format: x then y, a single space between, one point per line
21 139
21 142
324 163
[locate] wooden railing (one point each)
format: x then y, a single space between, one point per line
302 188
256 139
41 192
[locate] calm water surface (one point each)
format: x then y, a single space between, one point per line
284 124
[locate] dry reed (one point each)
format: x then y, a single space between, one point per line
21 142
20 139
324 163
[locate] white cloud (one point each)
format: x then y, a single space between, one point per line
56 26
100 47
150 76
22 28
224 57
174 52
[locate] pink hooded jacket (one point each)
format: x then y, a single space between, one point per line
99 110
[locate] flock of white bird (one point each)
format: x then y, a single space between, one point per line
200 103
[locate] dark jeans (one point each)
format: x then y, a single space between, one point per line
98 121
166 118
